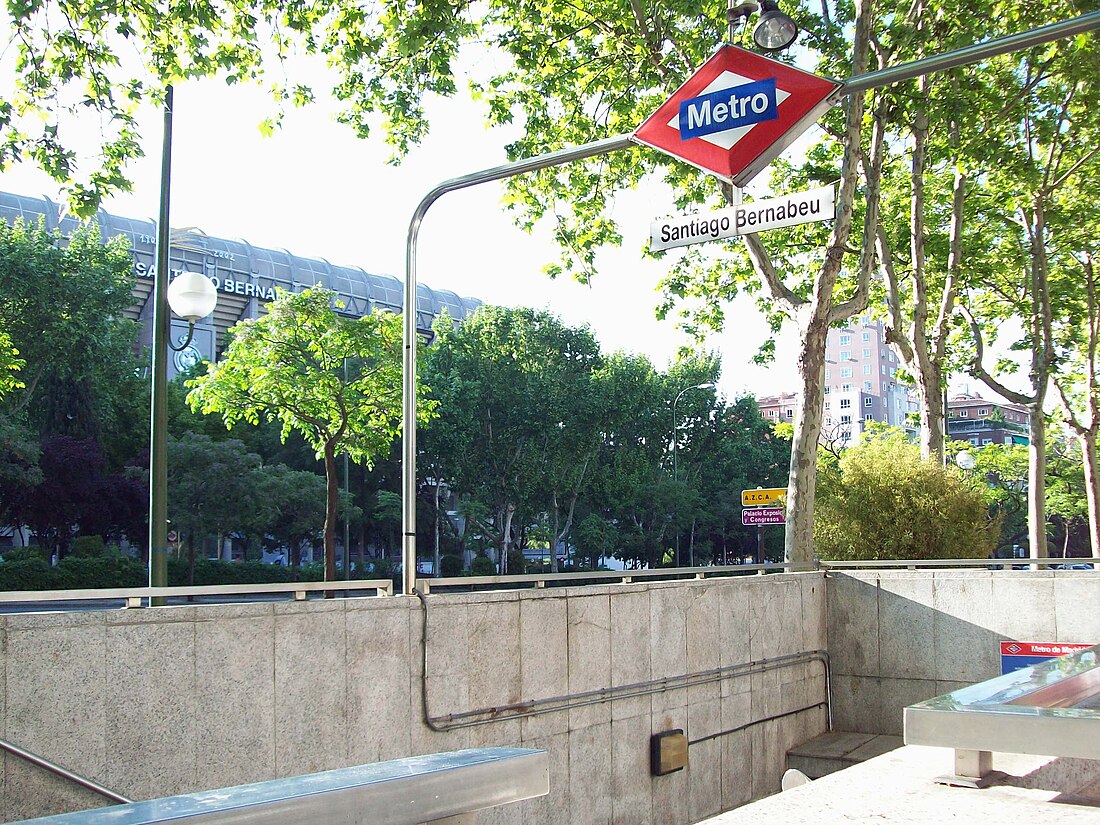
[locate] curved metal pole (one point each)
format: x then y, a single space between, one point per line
408 401
972 54
859 83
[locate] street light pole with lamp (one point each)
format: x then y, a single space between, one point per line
192 296
704 385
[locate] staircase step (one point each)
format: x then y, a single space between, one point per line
836 750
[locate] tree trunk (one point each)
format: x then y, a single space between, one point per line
802 482
931 411
191 558
1088 458
1036 489
554 533
506 539
333 490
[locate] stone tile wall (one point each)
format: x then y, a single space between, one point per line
901 636
167 700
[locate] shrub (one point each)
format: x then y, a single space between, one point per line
25 573
883 501
450 565
75 572
483 566
89 547
32 552
517 563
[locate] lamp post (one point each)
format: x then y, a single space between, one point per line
192 296
704 385
774 31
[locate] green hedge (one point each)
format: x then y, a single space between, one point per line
26 571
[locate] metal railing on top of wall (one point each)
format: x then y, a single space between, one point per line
139 596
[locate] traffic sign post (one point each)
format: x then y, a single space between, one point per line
764 497
759 516
737 113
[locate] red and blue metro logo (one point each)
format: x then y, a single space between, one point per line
737 113
728 109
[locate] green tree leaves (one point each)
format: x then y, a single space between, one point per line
883 501
335 381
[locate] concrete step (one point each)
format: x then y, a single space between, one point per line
837 750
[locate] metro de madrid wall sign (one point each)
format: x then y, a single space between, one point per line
737 113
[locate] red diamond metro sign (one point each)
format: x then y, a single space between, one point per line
737 113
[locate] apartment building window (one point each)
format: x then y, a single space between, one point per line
987 441
845 419
845 387
790 413
827 403
867 386
885 388
868 416
845 403
983 411
826 373
868 402
974 441
964 413
845 340
891 358
884 369
827 388
845 355
866 369
866 336
771 413
845 372
866 352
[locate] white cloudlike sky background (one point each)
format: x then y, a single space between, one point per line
316 190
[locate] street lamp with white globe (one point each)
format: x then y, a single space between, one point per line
966 461
192 296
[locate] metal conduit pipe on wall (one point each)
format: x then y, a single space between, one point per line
536 707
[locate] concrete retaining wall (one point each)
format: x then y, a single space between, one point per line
897 637
168 700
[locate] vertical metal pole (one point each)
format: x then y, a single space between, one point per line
674 479
347 526
759 545
408 394
158 415
347 492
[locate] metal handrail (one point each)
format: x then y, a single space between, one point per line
878 564
64 773
138 596
133 596
540 580
433 788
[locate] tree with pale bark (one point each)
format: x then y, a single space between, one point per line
1046 146
334 380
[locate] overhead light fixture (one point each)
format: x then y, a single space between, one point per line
774 30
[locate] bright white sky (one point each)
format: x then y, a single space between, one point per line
317 191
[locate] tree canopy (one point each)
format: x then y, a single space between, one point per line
336 381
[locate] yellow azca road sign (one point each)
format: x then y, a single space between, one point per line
770 497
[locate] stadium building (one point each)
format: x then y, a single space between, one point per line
245 276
